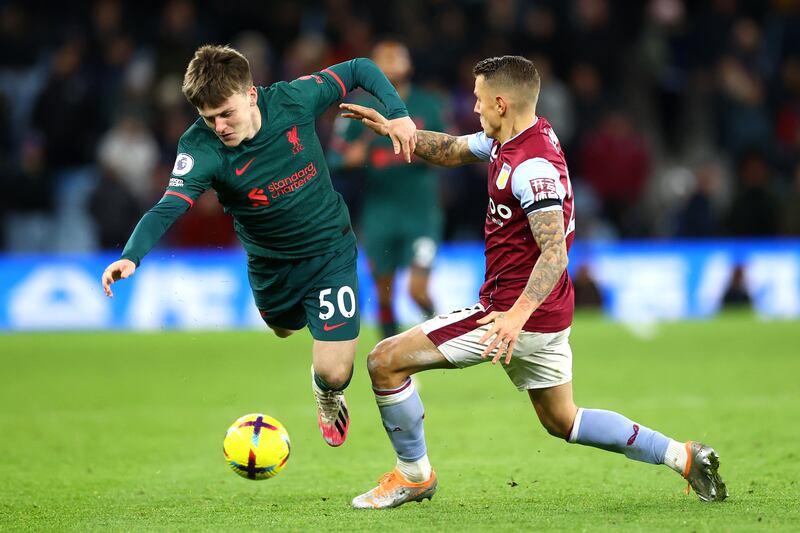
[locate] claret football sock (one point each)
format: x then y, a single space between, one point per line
402 414
613 432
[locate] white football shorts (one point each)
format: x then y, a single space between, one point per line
540 360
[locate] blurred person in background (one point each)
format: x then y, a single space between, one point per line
401 219
66 110
615 160
587 293
69 115
787 115
555 101
257 147
699 215
589 96
178 35
27 200
114 208
753 211
130 152
790 208
736 295
743 120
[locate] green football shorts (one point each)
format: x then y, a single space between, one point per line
408 241
319 291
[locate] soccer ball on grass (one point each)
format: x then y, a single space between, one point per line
256 446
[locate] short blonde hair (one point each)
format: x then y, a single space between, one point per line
214 74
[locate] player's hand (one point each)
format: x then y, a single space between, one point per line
124 268
403 133
367 116
505 328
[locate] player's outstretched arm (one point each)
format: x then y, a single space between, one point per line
438 148
443 149
121 269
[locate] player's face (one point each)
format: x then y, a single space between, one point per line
486 108
232 121
394 61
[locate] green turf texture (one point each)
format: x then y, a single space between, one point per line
123 432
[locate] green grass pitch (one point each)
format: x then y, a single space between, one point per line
120 431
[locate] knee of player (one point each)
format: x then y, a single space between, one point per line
380 359
556 430
336 377
557 426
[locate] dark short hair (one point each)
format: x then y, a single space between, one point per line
509 71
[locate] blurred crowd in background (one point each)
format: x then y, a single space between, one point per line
679 119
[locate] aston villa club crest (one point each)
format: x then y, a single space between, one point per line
502 177
291 135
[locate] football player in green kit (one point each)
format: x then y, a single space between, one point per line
257 147
408 195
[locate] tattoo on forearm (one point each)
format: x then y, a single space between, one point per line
548 232
443 149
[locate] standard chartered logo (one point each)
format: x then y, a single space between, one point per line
292 183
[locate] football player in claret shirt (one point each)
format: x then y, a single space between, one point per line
257 147
525 310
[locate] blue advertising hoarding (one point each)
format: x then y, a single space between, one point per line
645 281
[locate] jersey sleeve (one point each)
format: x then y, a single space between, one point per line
322 89
537 185
480 145
194 169
191 176
152 226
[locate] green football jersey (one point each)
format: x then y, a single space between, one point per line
276 186
392 185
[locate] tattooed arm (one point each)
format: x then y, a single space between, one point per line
434 147
548 231
443 149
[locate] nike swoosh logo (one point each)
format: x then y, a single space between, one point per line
240 171
326 327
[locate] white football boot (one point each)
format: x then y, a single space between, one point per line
333 417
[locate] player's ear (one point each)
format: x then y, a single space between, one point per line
252 95
502 105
